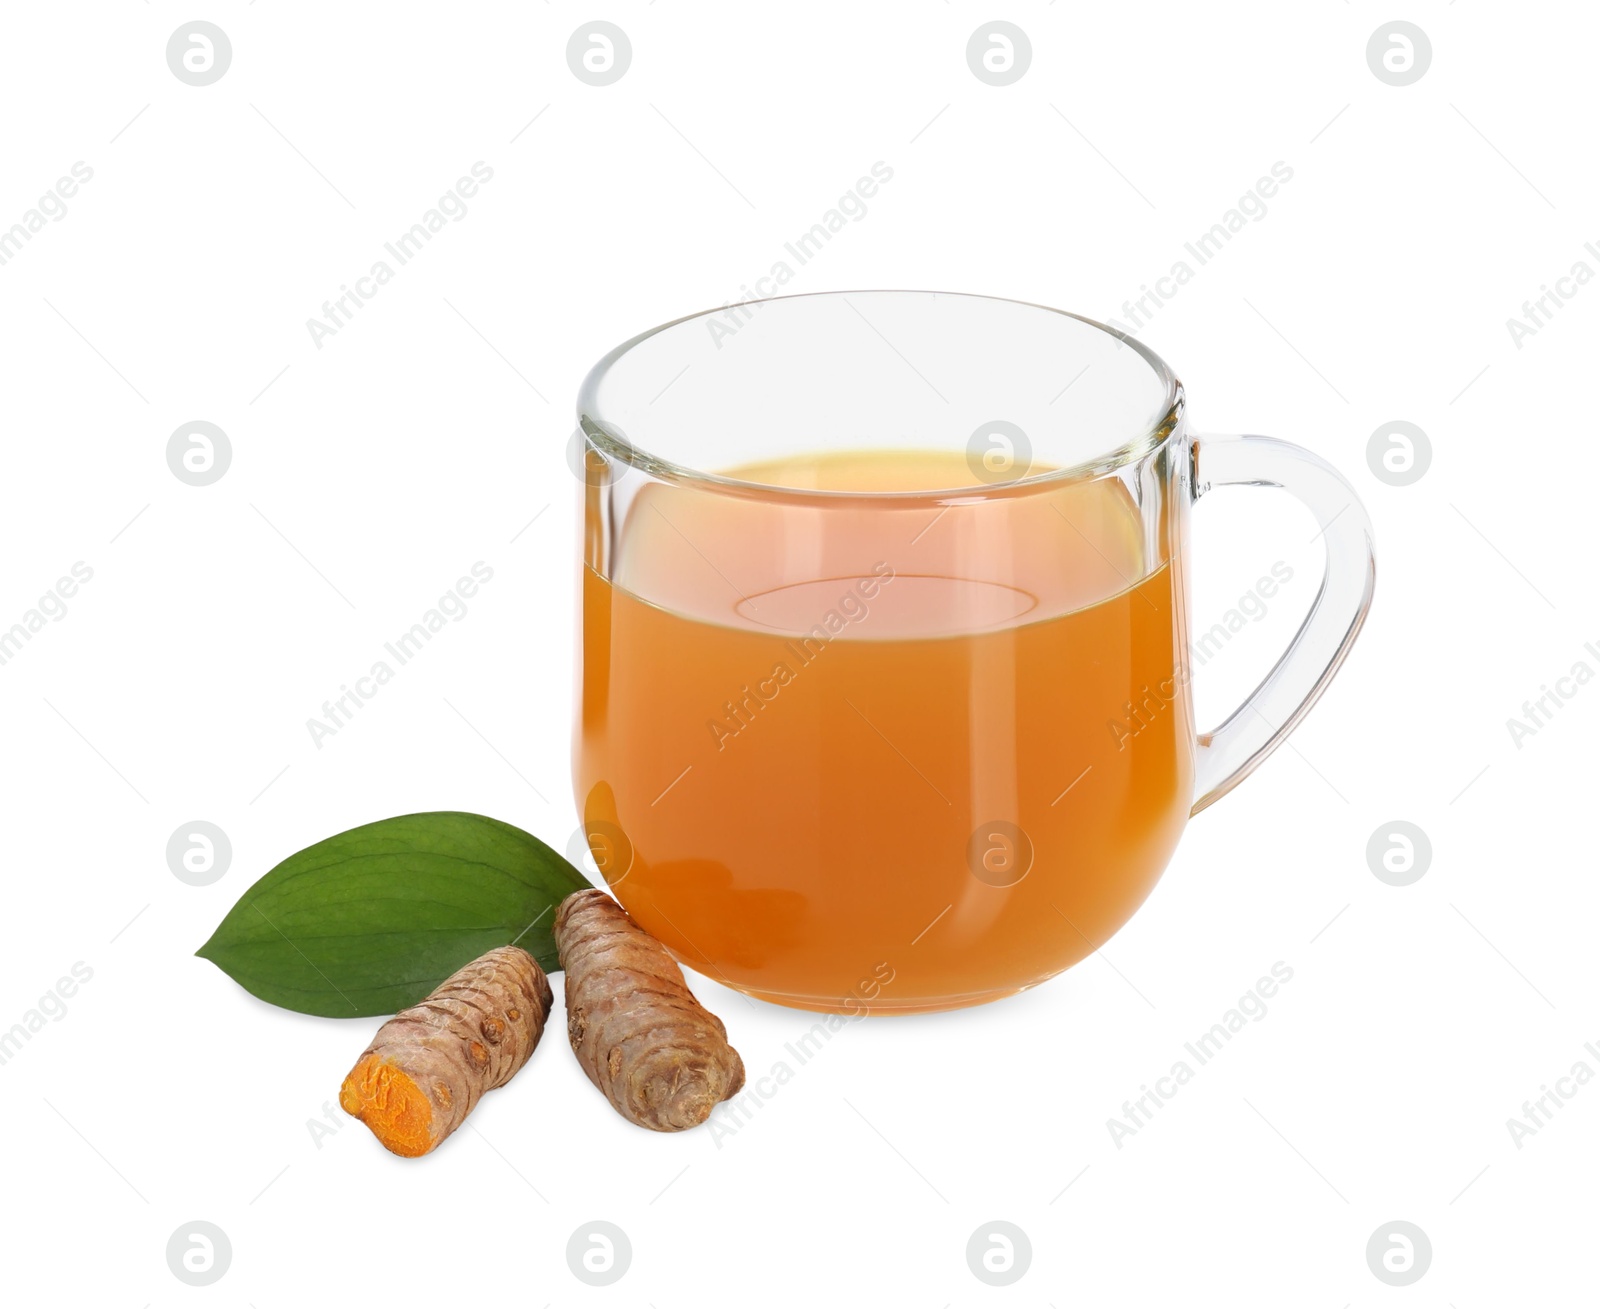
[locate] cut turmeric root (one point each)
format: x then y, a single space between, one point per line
429 1065
662 1060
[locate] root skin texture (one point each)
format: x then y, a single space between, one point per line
429 1065
662 1060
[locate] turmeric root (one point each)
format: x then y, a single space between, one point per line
662 1060
429 1065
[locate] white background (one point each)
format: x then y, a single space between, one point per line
428 434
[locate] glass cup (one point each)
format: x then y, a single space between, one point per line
884 692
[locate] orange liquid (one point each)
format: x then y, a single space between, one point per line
964 779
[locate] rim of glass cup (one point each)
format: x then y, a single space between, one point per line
591 421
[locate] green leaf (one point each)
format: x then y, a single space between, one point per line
372 920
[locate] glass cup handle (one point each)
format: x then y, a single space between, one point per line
1230 753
